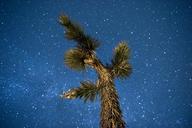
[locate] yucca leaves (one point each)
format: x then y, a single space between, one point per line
86 91
122 70
121 53
76 33
74 58
120 66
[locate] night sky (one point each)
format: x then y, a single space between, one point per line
158 94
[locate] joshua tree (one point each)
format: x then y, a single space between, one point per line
84 56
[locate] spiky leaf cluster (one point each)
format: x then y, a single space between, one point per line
76 33
120 66
74 58
86 91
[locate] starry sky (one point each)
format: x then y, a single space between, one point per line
157 94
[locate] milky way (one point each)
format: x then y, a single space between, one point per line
157 94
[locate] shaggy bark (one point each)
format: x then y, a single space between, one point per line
111 115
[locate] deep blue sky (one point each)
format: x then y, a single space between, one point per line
158 93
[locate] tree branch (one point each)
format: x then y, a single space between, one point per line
76 33
86 91
120 66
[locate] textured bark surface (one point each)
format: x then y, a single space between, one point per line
111 115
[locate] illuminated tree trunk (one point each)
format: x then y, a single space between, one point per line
111 115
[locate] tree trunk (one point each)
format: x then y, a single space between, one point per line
111 115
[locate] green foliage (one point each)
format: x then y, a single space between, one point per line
120 66
76 33
86 91
122 70
121 53
74 58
